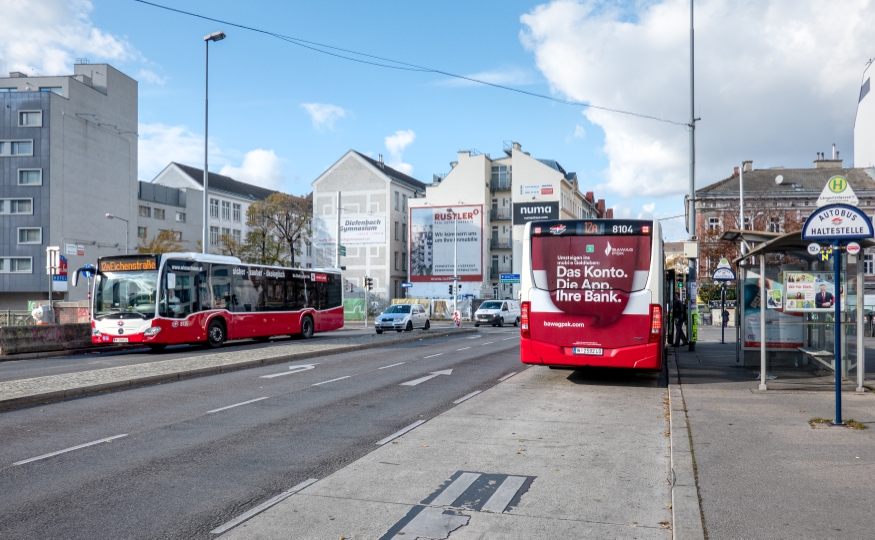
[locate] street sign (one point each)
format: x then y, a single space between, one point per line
343 251
723 274
837 191
509 278
406 285
813 248
837 222
853 248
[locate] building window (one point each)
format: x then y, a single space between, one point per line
158 213
214 208
30 235
180 217
404 261
869 264
226 231
309 265
145 211
16 206
16 265
141 232
309 249
7 90
404 202
404 233
396 231
16 148
237 212
396 260
237 235
30 119
396 200
713 224
177 235
30 177
226 210
775 225
214 235
56 89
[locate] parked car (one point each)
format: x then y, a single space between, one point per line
498 313
400 317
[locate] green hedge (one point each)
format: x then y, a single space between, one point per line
711 291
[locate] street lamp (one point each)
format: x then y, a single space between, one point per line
127 223
455 259
215 36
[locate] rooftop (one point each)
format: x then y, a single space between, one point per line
394 174
224 183
792 180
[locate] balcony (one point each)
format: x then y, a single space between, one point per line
501 184
498 214
497 242
496 271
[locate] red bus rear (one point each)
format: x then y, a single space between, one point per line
591 293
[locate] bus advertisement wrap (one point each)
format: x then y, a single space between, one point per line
432 243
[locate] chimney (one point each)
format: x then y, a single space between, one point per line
600 208
517 146
610 213
833 150
590 196
747 166
380 160
735 171
823 163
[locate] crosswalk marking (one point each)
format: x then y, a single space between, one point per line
504 494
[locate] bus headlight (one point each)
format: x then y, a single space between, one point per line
152 331
95 332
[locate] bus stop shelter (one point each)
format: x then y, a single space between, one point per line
781 320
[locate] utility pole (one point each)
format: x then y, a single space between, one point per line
691 323
337 241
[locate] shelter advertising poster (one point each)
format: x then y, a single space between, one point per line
783 330
812 291
432 243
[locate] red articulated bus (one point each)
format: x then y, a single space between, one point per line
160 300
592 294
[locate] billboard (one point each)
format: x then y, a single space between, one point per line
432 243
355 229
534 211
811 291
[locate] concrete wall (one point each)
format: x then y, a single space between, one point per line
29 339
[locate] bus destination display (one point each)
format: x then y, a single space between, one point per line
595 227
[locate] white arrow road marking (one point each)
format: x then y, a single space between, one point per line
236 405
292 371
52 454
427 377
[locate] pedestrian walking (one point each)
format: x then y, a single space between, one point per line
725 318
679 313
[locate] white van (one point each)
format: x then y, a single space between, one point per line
498 313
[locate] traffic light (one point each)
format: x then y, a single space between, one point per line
451 288
369 283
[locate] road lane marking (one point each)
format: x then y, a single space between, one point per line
465 398
488 343
432 356
401 432
508 376
505 339
77 447
474 337
421 380
393 365
455 490
463 348
236 405
292 371
504 494
262 507
332 380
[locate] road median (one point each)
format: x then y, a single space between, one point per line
23 392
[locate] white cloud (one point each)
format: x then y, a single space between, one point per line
46 36
151 77
323 114
396 144
159 144
261 168
579 132
771 84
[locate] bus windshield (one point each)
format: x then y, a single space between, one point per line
125 293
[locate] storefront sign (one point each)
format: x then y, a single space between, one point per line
534 211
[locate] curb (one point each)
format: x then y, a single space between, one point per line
59 395
686 511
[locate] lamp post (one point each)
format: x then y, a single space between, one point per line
127 227
215 36
455 259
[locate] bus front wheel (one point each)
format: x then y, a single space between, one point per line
215 334
307 327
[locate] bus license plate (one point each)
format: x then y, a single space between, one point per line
120 340
588 351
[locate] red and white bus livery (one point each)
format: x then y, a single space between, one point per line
591 294
159 300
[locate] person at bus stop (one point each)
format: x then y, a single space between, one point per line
725 318
679 313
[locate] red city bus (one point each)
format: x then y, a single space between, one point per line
160 300
592 294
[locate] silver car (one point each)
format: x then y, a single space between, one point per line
400 317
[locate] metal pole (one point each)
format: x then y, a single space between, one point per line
837 324
763 302
366 304
337 241
741 205
455 257
127 233
206 234
692 312
861 349
722 309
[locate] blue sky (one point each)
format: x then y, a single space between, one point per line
772 85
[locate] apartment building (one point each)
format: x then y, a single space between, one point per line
162 208
68 157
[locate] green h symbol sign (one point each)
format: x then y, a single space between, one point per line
837 184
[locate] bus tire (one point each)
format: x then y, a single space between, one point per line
307 327
216 334
156 347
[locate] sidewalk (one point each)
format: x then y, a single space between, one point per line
17 393
763 471
544 454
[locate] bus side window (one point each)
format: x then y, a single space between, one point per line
220 284
204 294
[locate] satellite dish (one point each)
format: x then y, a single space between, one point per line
779 179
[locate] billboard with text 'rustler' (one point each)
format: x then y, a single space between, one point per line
433 243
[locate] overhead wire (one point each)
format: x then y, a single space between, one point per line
389 63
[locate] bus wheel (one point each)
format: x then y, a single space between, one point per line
155 347
215 334
307 327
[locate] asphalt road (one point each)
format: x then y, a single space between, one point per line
199 452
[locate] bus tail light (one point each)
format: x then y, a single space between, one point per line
655 323
525 331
